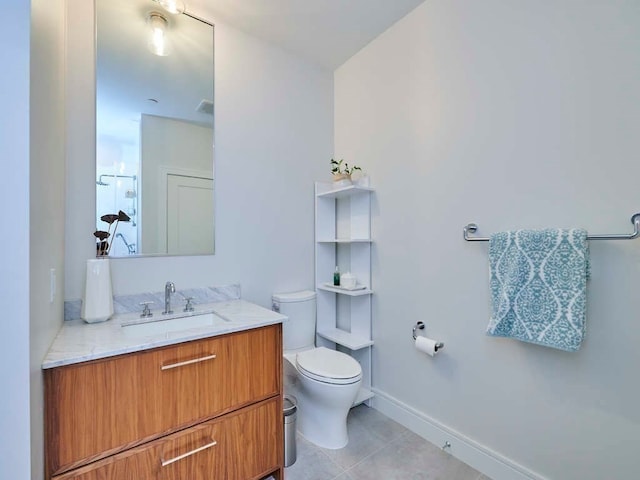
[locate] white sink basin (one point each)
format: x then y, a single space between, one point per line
158 326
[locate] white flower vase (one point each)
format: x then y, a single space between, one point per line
97 303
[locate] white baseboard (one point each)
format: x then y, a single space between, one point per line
490 463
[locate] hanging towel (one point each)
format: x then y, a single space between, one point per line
538 286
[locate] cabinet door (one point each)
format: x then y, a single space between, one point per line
240 446
254 444
95 408
102 407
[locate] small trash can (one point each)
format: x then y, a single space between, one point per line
290 406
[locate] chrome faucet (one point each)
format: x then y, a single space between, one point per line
169 288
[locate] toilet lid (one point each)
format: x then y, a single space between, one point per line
329 366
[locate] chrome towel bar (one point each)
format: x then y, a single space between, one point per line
635 220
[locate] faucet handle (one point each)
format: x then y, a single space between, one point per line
146 312
188 306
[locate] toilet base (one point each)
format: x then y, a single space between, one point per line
323 410
321 434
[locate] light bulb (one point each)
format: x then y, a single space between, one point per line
174 7
158 42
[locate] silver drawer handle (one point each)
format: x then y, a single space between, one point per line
188 362
188 454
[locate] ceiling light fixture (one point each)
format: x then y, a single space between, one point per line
158 42
175 7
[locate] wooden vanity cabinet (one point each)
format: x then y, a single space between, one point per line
217 399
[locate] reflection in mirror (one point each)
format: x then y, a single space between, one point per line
154 122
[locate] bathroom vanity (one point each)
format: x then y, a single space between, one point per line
199 403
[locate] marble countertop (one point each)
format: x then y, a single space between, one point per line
78 341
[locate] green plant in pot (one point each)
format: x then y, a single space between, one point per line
341 170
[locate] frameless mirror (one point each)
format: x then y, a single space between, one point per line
154 122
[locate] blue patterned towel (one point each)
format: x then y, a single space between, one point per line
538 286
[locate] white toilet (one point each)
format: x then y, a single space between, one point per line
325 382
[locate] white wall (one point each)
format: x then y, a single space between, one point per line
47 199
274 132
14 247
513 115
80 168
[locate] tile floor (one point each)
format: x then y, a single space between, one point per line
378 449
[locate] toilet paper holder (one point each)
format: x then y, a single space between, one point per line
420 326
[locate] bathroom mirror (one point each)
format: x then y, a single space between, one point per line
154 128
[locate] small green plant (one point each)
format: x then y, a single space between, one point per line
342 168
102 246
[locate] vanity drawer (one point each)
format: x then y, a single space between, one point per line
200 379
239 446
102 407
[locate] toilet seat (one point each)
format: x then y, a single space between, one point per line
329 366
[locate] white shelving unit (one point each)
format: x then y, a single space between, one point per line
343 238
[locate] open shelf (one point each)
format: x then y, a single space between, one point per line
344 338
329 192
344 240
342 291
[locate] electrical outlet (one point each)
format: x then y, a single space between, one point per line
52 285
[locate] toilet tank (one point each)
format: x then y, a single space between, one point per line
299 332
